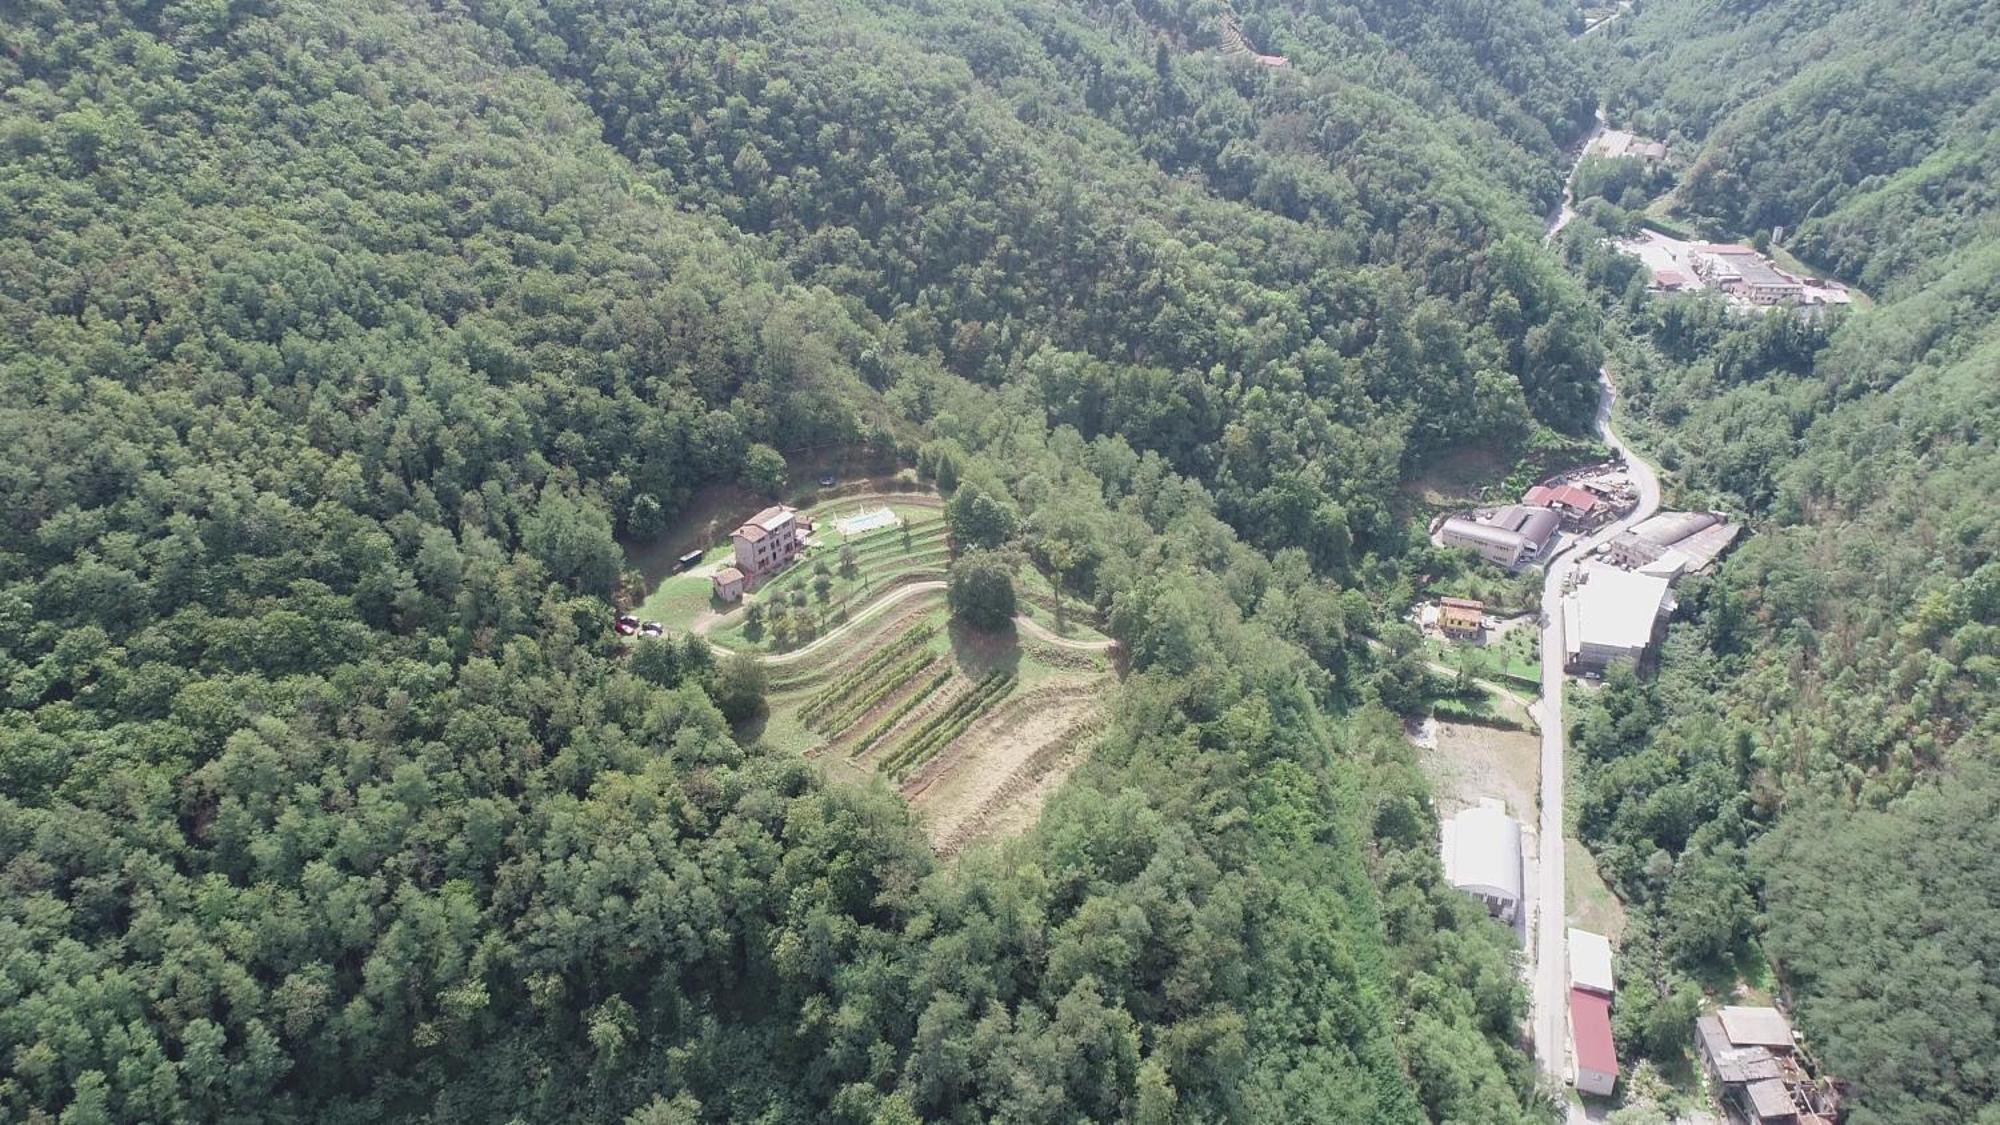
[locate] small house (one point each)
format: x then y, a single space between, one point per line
1461 618
727 583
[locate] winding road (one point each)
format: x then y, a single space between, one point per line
1551 979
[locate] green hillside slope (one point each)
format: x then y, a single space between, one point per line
343 341
1835 686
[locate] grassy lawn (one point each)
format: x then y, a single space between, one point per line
1592 906
1513 661
682 598
1035 589
678 600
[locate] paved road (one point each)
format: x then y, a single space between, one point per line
1567 210
1551 981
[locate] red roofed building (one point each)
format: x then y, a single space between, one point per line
1576 501
1596 1053
1670 280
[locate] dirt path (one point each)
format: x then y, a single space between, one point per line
874 609
1026 625
1035 629
995 776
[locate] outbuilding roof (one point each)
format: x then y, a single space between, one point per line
728 574
1590 1026
1770 1099
1756 1027
1590 961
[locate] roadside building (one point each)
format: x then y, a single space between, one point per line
1590 1034
1673 543
1496 545
1573 501
1590 962
1759 1073
1612 617
1461 618
768 541
1511 537
727 582
1742 271
1482 857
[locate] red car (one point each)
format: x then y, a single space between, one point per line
627 625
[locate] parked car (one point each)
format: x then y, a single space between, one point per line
652 629
690 559
826 481
627 625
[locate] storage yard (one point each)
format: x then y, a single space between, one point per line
1747 277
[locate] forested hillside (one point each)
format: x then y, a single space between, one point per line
342 341
1868 131
1827 708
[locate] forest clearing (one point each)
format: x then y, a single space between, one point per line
869 676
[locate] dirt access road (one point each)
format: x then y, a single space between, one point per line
1026 625
1551 1008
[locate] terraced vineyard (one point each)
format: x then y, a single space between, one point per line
975 731
940 729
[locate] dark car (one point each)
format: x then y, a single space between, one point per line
826 481
652 629
690 559
627 625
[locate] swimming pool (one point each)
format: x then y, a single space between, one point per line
864 522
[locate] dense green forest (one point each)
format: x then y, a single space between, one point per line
1807 781
344 342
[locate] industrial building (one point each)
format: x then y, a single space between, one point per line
1511 537
1482 857
1671 544
1758 1070
1743 272
1571 500
1611 617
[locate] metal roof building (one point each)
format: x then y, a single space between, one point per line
1611 615
1596 1052
1757 1027
1590 961
1482 856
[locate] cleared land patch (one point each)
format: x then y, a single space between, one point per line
868 675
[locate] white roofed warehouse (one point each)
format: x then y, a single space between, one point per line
1611 617
1482 857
